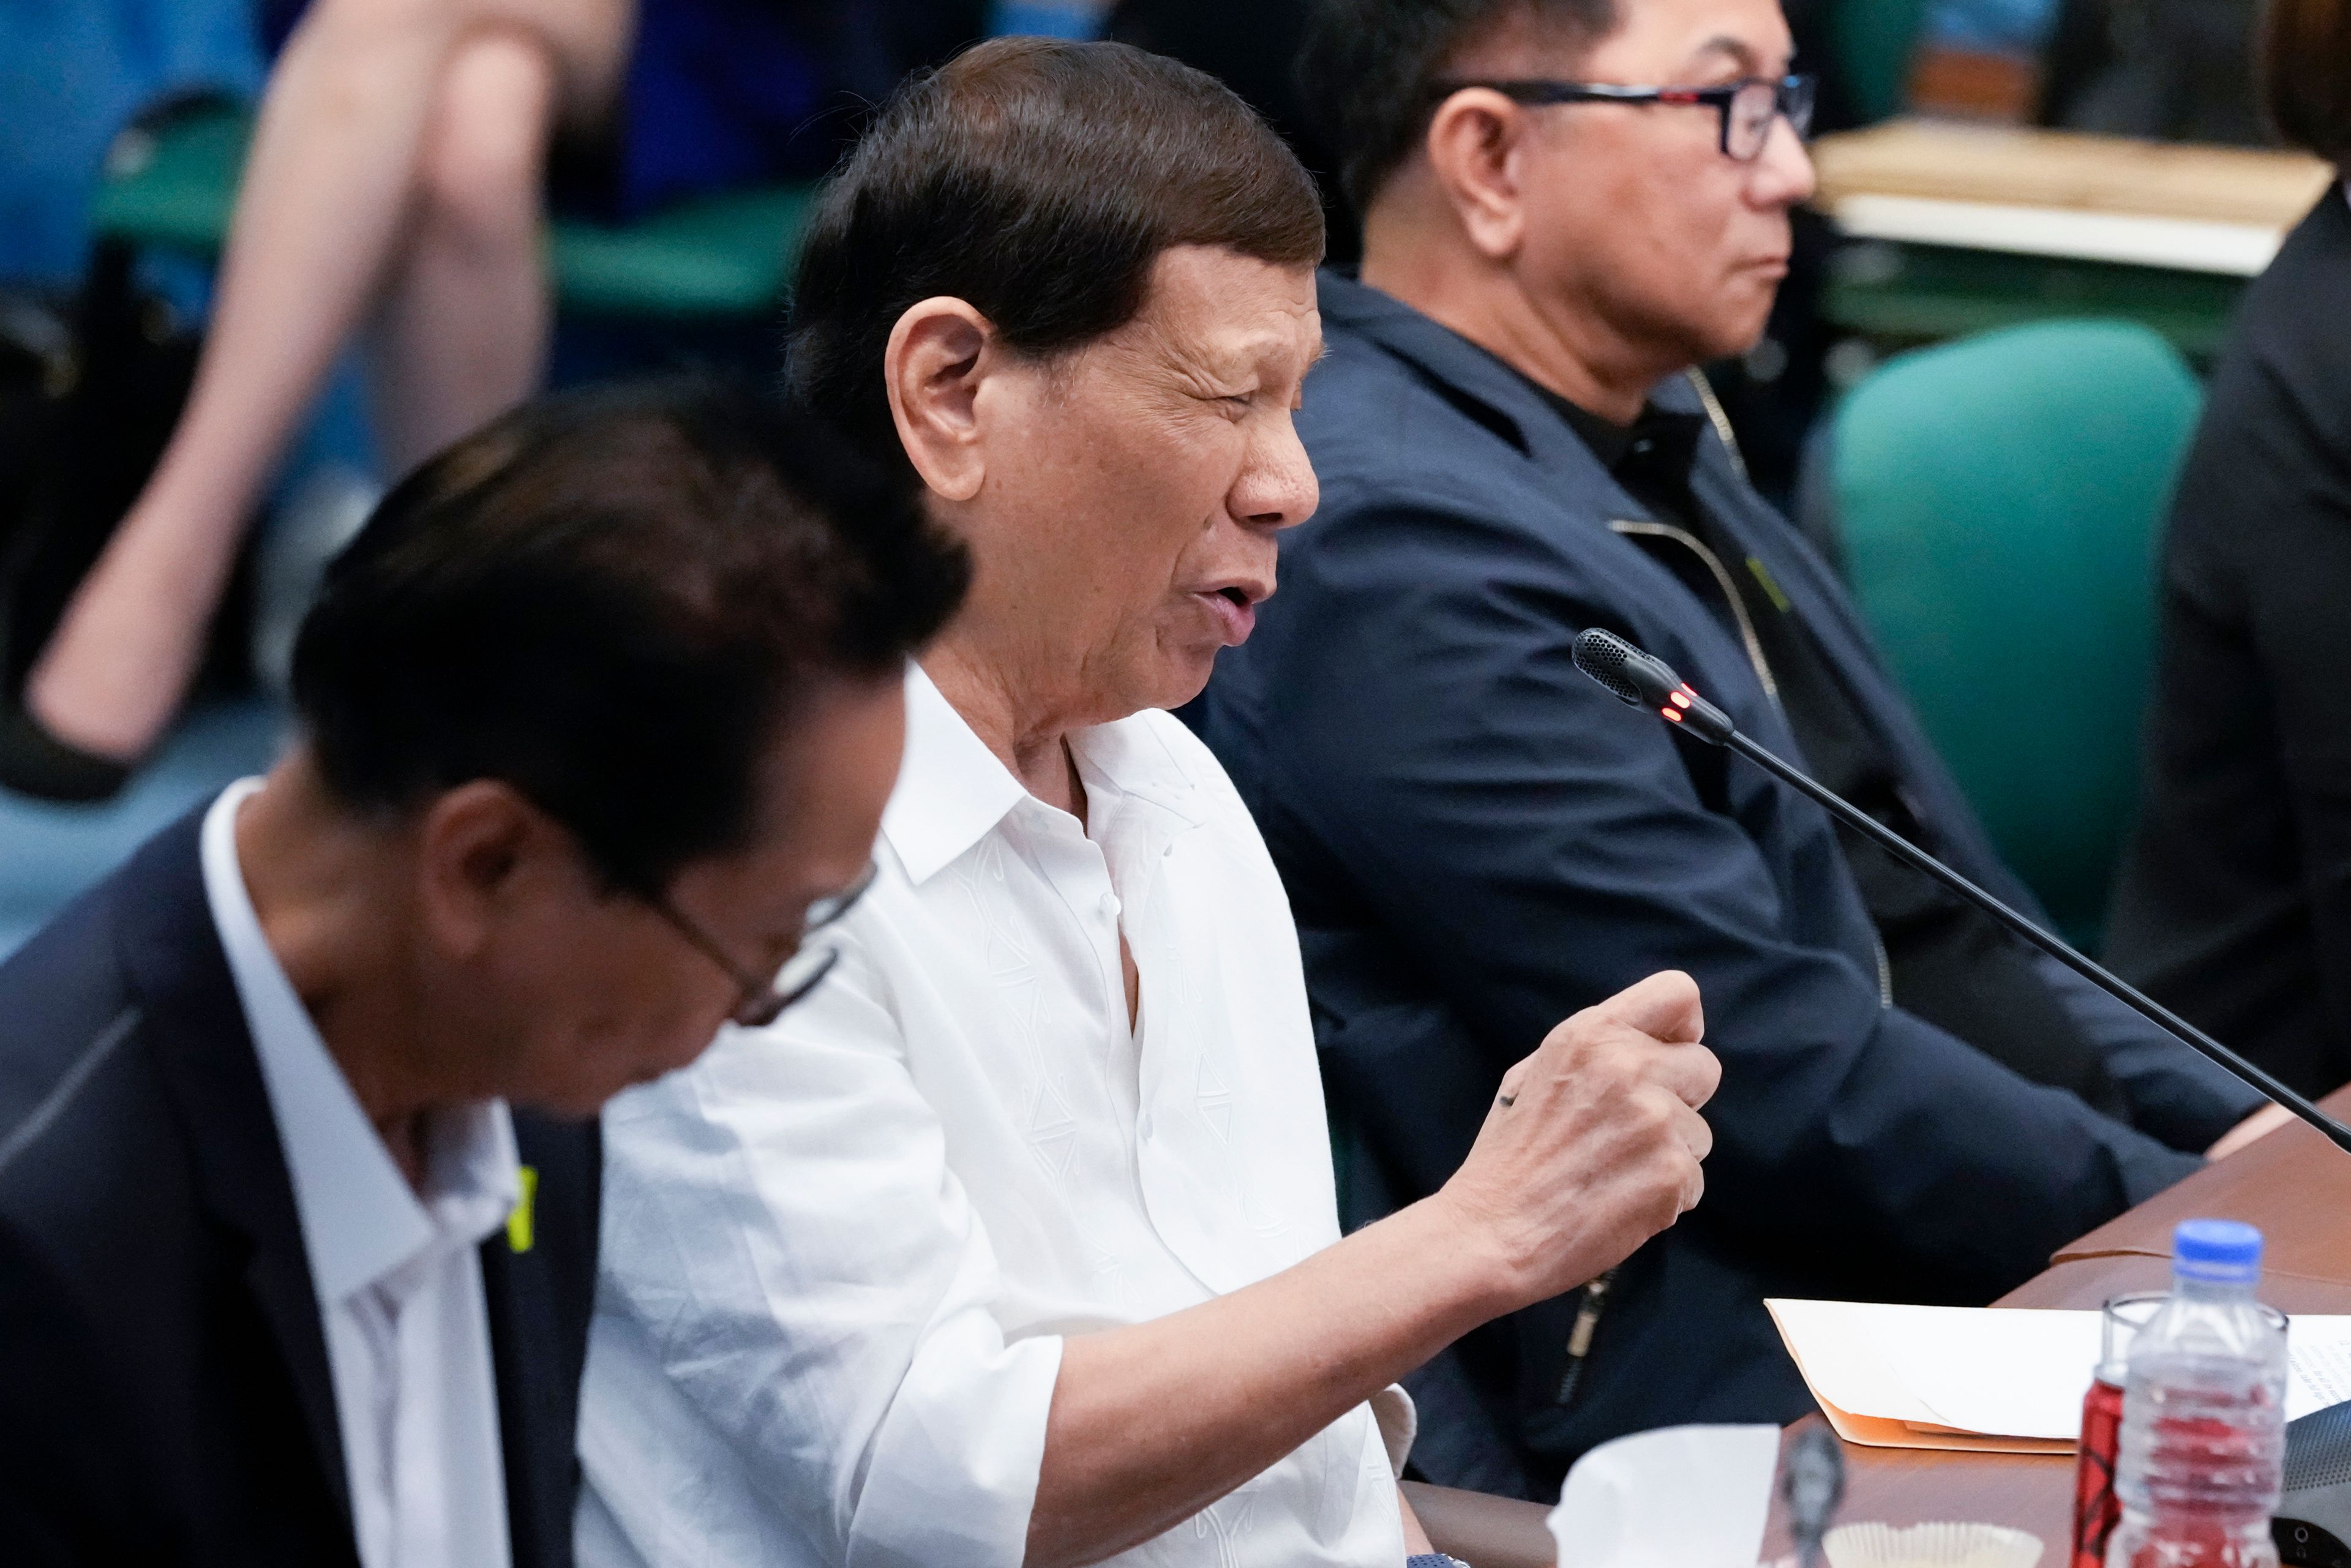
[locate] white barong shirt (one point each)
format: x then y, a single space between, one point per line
840 1253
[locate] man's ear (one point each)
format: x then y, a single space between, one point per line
1477 150
480 849
938 352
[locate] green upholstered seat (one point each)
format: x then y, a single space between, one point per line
727 255
719 256
173 185
2001 500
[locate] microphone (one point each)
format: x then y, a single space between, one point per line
1639 680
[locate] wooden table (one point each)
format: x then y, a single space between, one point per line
2293 1184
1961 228
2053 192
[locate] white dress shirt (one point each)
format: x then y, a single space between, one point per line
841 1252
398 1280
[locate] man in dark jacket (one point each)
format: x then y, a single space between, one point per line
1476 837
598 717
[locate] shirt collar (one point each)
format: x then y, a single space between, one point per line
1353 309
1609 441
361 1219
952 791
1131 756
951 788
1503 389
1659 446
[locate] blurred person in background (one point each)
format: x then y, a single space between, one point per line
1568 205
2167 71
1017 1244
396 185
2234 906
1251 47
298 1160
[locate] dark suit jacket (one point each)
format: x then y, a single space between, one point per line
164 1392
2235 901
1477 841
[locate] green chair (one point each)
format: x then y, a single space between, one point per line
174 185
2001 500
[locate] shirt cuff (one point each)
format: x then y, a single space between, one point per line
1399 1422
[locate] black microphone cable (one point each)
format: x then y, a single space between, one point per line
1640 680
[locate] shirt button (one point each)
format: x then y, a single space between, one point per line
1147 1123
1109 904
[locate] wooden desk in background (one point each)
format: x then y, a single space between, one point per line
2053 192
2293 1183
1969 227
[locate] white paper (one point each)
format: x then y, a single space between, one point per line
1843 1362
1628 1504
2007 1372
2002 1371
2318 1364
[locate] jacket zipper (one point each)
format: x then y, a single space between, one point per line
1720 420
1754 646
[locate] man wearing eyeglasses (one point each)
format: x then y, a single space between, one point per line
1569 204
299 1169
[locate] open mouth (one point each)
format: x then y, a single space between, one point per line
1235 611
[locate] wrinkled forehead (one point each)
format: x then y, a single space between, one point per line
1219 312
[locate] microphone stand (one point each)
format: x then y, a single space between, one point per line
1641 680
2056 947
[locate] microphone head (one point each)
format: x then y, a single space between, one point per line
1814 1485
1637 680
1633 677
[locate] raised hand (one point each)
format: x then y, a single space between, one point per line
1594 1144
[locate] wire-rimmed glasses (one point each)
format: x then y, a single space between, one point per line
763 1001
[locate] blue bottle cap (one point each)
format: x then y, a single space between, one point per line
2225 1252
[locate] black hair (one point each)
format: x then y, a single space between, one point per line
1368 70
615 601
1037 181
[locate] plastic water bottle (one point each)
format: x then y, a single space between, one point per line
2203 1439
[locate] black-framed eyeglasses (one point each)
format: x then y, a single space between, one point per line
763 1001
1749 107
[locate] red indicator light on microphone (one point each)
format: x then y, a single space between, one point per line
1673 714
1681 698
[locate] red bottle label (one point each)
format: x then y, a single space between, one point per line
2097 1510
